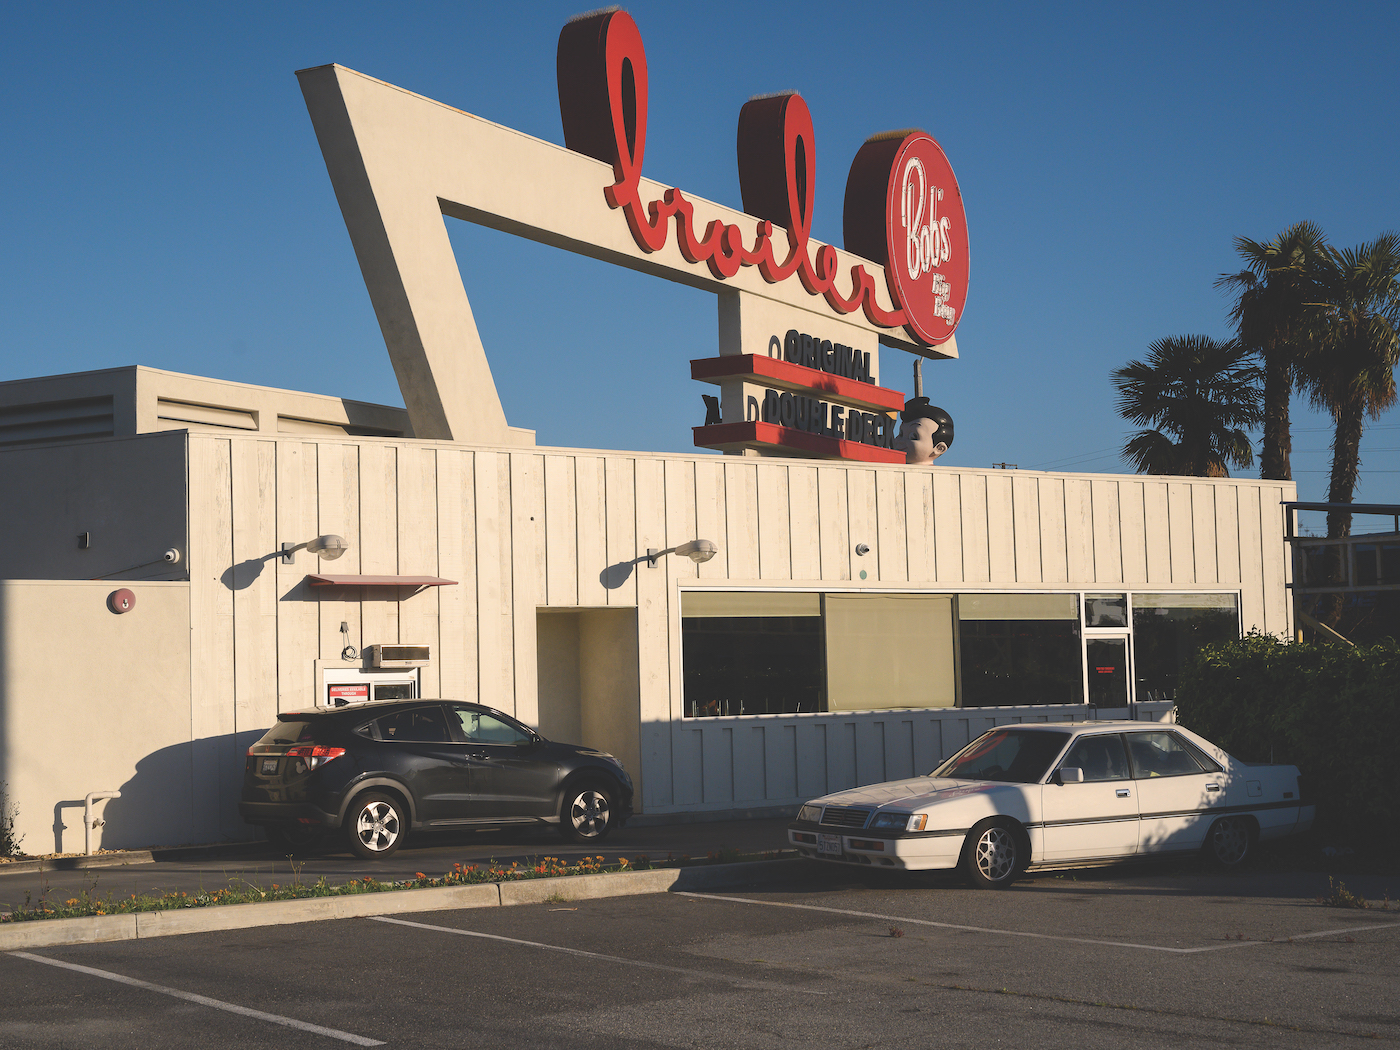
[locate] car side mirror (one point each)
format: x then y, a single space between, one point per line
1071 775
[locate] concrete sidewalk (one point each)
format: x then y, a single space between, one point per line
208 868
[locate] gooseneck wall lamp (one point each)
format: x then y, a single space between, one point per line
329 546
696 550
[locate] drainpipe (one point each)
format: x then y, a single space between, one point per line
89 821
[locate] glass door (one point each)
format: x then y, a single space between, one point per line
1106 663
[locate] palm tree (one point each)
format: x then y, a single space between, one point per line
1199 396
1274 321
1352 374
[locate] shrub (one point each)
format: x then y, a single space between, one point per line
1328 709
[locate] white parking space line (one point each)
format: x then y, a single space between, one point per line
204 1000
1035 936
706 974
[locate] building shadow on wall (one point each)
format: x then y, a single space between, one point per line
186 793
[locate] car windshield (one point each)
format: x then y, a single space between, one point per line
1014 756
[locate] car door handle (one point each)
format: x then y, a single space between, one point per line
480 756
1122 792
1212 787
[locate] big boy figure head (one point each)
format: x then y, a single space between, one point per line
925 431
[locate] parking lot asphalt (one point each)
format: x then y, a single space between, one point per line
432 854
1164 957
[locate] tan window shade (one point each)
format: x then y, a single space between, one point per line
1184 601
750 603
1018 607
889 651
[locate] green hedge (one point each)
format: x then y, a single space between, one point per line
1329 709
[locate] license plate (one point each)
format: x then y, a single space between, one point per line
269 767
829 845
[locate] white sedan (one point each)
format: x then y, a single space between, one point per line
1056 794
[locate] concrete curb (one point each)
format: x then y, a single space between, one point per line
97 860
97 928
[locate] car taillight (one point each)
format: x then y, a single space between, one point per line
315 754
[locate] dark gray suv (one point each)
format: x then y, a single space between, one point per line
375 770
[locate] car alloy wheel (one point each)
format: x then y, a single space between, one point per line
992 855
375 826
1228 842
587 814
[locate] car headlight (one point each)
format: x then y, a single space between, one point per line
899 821
811 813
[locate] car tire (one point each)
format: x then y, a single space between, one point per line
1229 843
587 813
375 825
293 838
994 854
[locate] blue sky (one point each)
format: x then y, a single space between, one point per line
166 203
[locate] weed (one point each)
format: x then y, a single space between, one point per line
1338 896
9 843
895 931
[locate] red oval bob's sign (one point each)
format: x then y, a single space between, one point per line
926 234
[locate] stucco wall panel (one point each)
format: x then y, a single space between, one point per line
106 708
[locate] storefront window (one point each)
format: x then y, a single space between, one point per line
1020 649
1168 629
751 653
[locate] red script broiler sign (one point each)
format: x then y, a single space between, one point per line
903 208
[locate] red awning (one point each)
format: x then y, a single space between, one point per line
379 581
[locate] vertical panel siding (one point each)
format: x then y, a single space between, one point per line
1278 618
298 612
947 528
861 513
741 517
1157 531
836 541
1079 530
1203 532
379 535
1054 563
1108 545
1227 534
972 495
711 516
653 631
921 538
561 531
493 635
1025 503
892 527
525 508
592 530
777 529
1180 523
1132 531
453 640
419 614
215 783
805 523
253 484
1001 537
